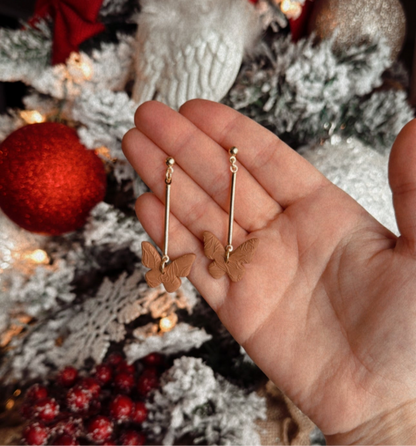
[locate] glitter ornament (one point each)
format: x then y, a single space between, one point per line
48 180
356 22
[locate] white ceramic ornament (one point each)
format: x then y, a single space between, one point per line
360 171
190 49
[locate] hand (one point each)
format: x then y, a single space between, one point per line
327 307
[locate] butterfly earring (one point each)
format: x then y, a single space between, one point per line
161 269
227 260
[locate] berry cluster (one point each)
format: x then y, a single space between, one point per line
106 408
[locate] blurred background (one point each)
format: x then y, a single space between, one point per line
12 12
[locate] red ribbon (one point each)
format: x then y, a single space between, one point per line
74 22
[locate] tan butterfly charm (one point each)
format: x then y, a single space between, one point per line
162 269
226 260
170 277
215 251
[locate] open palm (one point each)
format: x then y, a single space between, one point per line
327 306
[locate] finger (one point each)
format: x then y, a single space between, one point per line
283 173
402 177
149 211
192 206
207 164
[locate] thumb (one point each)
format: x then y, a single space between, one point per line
402 177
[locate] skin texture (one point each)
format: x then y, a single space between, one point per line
327 307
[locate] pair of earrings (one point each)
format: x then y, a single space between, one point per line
225 260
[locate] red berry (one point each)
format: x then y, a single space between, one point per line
70 426
114 359
46 409
26 410
100 429
121 407
146 383
67 376
36 434
66 440
132 438
124 367
36 392
124 382
78 399
153 359
91 385
103 373
150 371
139 412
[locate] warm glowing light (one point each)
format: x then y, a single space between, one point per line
290 8
38 256
86 70
9 404
168 323
32 116
104 152
17 392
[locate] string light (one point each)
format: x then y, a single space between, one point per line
104 152
38 256
32 116
168 323
79 67
291 9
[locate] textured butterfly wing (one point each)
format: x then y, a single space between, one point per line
213 248
180 267
153 278
242 255
150 257
215 251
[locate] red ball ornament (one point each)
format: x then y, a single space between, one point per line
49 181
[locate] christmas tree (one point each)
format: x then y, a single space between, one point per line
89 352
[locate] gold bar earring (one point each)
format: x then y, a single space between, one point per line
162 270
227 260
